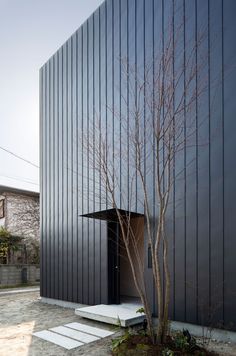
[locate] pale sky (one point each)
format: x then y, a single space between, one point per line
30 32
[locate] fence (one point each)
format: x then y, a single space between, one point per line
11 275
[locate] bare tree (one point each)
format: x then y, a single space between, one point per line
158 122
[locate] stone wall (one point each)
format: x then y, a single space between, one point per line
11 275
22 215
2 220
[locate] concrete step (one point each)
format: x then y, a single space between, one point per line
122 314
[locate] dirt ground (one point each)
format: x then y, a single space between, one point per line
22 314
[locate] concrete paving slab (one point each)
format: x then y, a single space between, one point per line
90 329
74 334
57 339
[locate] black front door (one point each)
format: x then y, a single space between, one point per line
113 263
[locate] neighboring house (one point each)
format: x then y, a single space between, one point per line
19 212
82 79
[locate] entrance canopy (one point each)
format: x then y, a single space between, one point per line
111 215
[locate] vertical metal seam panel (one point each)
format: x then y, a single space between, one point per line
112 88
135 56
41 135
58 152
106 82
197 294
76 64
62 175
57 175
174 168
120 107
128 106
209 143
223 149
88 153
66 168
71 190
99 110
47 178
92 184
53 177
185 178
82 154
99 148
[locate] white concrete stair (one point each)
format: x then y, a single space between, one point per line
124 313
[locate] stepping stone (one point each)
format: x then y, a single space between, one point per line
90 329
57 339
74 334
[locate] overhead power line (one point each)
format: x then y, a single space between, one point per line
19 157
20 179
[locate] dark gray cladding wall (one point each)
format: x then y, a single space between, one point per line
82 79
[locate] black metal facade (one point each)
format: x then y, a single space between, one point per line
84 78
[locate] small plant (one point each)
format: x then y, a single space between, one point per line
143 332
167 352
181 341
140 310
33 251
8 245
185 341
118 323
120 340
143 347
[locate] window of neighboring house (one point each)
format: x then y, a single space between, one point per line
2 209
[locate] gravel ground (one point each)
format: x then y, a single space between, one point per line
22 314
223 349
